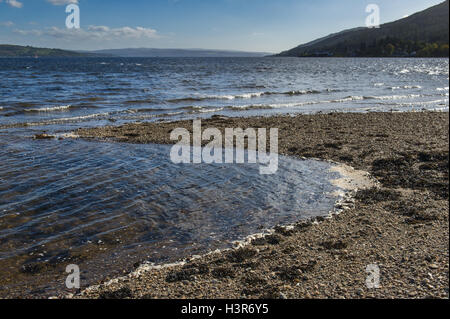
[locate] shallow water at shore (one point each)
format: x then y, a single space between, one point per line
112 205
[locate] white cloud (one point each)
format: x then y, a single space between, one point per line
62 2
28 32
94 32
14 3
7 23
18 4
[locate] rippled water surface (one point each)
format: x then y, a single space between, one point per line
108 206
129 89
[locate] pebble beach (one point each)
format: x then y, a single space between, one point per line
400 224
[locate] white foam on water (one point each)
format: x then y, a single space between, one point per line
342 100
50 108
203 110
259 94
392 97
347 99
406 87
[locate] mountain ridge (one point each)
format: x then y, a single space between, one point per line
424 33
156 52
8 50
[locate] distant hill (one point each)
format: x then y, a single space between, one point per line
144 52
424 34
27 51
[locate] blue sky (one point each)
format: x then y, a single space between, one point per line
251 25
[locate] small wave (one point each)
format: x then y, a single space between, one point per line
254 107
214 97
439 102
274 106
348 99
440 109
406 87
176 112
144 101
247 95
193 107
391 97
232 97
442 89
293 105
300 92
145 110
208 110
50 108
187 99
342 100
252 87
378 84
171 114
57 121
76 118
24 104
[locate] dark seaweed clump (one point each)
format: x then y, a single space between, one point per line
418 171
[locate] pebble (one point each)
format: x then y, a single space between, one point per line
283 296
434 266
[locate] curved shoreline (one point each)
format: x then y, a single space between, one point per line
402 226
350 182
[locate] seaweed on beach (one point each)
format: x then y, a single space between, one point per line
420 171
187 273
289 273
374 195
414 214
184 274
240 255
223 272
121 293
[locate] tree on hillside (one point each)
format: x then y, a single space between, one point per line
390 49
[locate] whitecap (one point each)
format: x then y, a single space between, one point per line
209 110
392 97
406 87
349 98
50 108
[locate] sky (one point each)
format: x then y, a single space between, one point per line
248 25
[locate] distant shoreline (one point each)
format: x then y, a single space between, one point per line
224 57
